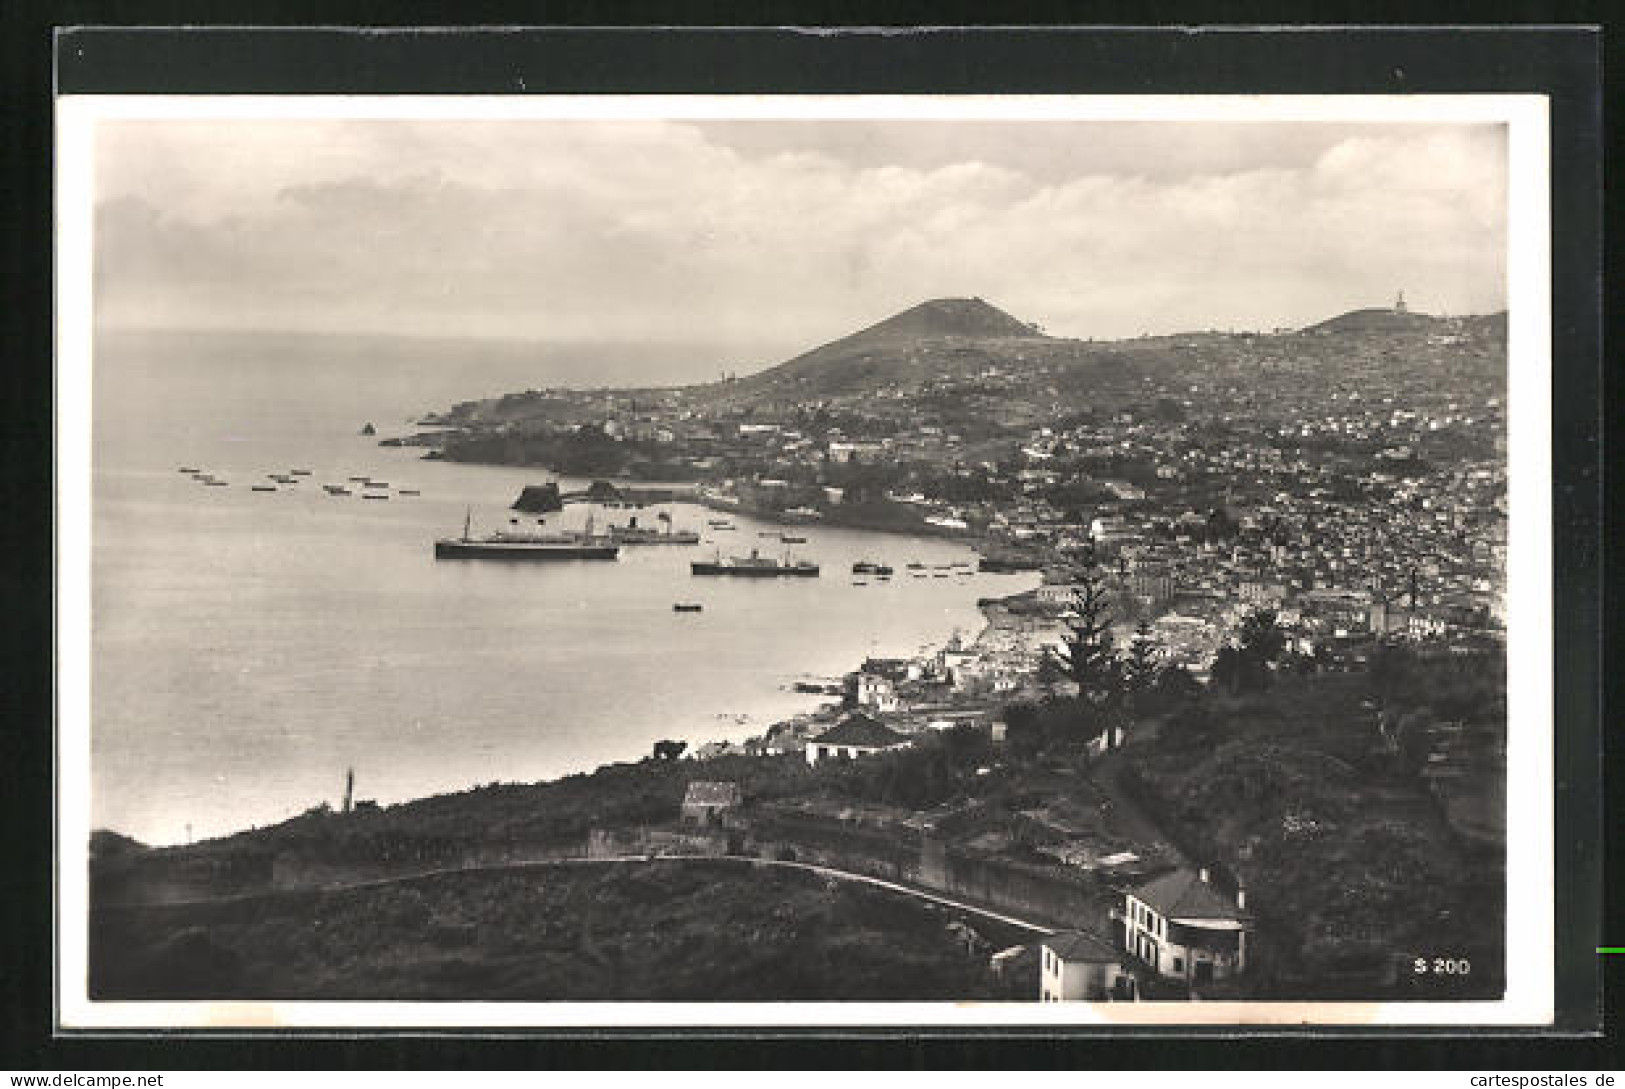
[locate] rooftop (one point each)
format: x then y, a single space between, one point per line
1078 946
1184 895
861 731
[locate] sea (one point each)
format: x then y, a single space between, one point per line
250 647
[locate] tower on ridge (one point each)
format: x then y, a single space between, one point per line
1399 303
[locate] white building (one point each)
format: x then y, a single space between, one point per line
1185 929
854 736
876 693
1079 967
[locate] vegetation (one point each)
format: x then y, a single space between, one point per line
1302 790
938 768
690 931
1247 666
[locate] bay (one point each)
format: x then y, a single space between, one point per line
249 647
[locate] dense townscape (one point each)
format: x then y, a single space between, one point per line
1350 476
1246 737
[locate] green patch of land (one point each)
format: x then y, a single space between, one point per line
662 931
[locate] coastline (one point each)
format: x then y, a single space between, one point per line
826 712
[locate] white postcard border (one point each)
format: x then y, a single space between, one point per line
1529 999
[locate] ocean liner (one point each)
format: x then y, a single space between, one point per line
522 545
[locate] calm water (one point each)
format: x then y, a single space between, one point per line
248 647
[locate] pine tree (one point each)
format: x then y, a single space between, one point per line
1141 668
1086 657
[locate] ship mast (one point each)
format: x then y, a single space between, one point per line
468 517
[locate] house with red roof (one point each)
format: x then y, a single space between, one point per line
1185 929
855 735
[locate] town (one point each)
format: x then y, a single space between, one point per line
1350 476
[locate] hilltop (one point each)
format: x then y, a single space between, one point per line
1379 321
952 386
937 338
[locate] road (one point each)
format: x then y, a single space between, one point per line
1037 929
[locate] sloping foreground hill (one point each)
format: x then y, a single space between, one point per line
1352 868
663 931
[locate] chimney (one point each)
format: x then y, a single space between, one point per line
1241 898
1202 875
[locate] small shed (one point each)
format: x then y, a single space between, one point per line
706 801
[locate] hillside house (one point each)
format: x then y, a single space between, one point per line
1185 929
873 692
854 736
1079 967
705 802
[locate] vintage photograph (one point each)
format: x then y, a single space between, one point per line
1022 559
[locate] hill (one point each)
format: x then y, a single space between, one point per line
105 843
1378 320
937 338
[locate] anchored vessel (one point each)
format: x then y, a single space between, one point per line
755 566
517 545
1008 560
871 567
634 534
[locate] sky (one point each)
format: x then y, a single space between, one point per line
774 236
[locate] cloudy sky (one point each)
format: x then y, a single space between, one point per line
784 234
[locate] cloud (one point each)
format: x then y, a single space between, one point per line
587 230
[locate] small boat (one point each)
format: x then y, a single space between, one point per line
720 523
186 469
686 607
358 480
377 483
373 495
855 582
408 491
336 489
300 472
870 567
216 483
280 478
263 488
939 574
916 567
790 539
